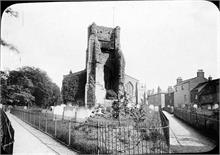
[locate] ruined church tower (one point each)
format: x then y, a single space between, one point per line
105 64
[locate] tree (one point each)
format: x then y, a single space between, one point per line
19 96
29 86
15 89
3 87
12 12
45 91
10 46
4 43
55 96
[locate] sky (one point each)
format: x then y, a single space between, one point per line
160 40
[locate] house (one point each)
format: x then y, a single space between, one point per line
183 89
142 96
169 100
206 95
157 99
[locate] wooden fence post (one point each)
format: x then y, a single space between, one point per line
34 119
98 137
75 115
55 127
46 124
196 120
30 118
39 121
69 133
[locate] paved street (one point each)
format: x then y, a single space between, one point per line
184 138
29 140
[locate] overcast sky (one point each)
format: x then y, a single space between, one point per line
160 40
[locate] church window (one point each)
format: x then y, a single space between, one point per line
129 88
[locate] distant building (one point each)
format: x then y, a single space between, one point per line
142 94
131 88
157 99
169 100
183 88
103 80
73 88
206 95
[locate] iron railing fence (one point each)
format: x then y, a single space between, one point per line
201 121
164 123
101 138
6 134
168 109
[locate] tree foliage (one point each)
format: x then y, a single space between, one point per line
9 45
3 88
73 87
4 43
29 86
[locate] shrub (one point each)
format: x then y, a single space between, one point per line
144 134
85 146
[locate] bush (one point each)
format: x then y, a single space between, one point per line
85 146
116 108
144 134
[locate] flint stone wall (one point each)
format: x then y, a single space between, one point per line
73 88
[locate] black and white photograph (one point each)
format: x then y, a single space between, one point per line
109 77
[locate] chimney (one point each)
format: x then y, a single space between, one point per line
179 80
200 73
210 78
170 89
158 89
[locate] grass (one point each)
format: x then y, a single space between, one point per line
108 137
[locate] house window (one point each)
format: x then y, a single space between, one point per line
182 87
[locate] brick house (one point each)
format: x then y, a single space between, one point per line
157 99
206 94
183 88
169 100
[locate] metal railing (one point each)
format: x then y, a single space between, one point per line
168 109
165 122
100 138
201 121
6 134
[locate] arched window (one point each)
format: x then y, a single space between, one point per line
129 88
